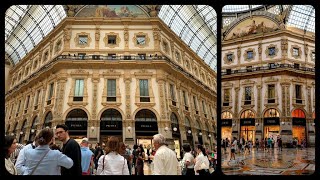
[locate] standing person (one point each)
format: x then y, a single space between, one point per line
98 152
10 144
126 154
233 148
201 162
112 163
257 144
280 144
140 161
21 158
42 160
165 160
134 156
70 148
188 160
86 157
15 154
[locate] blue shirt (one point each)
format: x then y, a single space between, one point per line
86 155
50 164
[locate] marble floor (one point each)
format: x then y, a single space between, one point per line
291 161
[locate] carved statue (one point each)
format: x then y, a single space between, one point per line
71 10
97 37
252 27
126 35
67 34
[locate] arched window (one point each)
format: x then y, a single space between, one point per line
247 114
197 125
15 129
271 113
174 118
111 115
298 113
226 115
77 115
187 122
145 115
48 119
23 131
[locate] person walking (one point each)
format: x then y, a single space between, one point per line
165 160
42 160
233 149
70 148
188 160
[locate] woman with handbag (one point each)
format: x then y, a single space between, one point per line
112 163
42 160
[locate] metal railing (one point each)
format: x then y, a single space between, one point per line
266 68
109 58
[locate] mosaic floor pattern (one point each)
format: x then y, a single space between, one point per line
286 162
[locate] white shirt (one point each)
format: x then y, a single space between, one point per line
199 160
21 158
165 162
114 164
188 157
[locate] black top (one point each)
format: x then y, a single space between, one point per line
72 149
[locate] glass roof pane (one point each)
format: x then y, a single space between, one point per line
35 24
196 26
303 17
235 8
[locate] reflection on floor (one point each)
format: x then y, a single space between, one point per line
289 161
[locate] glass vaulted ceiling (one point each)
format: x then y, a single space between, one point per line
300 16
27 25
196 25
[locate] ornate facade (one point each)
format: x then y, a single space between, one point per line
268 80
123 76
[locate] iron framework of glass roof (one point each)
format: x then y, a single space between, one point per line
196 25
300 16
27 25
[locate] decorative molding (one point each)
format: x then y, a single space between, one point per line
147 40
165 46
275 53
306 49
229 58
299 51
271 79
76 40
313 56
248 82
245 55
105 40
58 46
126 37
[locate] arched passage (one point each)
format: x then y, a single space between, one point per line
23 131
298 125
145 127
188 131
77 122
33 130
47 120
226 125
247 125
271 123
110 124
175 133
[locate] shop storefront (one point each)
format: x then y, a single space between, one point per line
77 122
271 124
110 125
145 126
247 125
298 125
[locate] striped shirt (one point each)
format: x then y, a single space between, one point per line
14 155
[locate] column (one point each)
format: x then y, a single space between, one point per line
93 129
128 126
235 120
285 119
259 117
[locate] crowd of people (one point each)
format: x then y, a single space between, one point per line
245 147
43 157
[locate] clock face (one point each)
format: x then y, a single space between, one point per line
141 40
83 39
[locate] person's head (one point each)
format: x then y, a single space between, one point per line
158 140
135 146
186 147
112 145
10 144
122 148
45 136
84 142
90 145
62 132
199 148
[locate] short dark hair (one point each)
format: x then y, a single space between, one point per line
63 126
8 141
186 147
